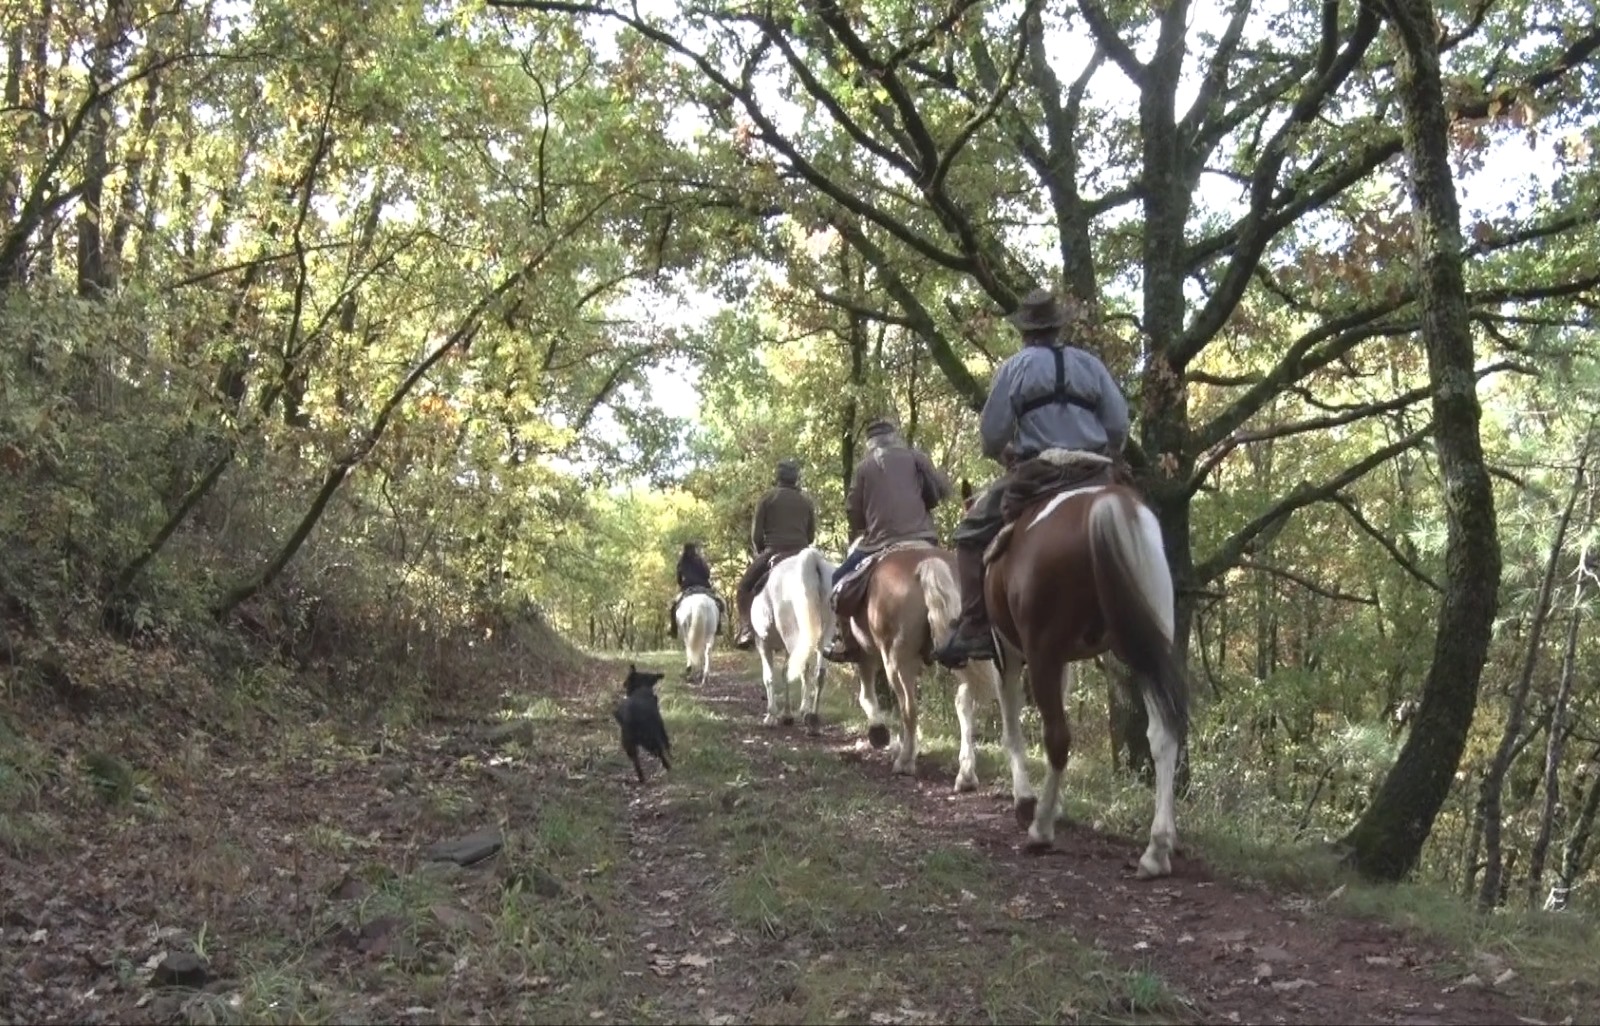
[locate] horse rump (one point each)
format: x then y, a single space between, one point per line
1135 590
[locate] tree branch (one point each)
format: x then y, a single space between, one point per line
1407 564
1231 551
1210 459
1306 583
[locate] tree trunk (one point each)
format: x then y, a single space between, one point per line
93 276
1555 744
10 174
1387 841
1494 780
856 339
1572 859
133 184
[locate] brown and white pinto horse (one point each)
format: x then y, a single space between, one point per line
1084 573
911 604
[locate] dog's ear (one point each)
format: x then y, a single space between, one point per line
632 669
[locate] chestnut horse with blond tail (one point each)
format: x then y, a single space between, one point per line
911 604
1076 574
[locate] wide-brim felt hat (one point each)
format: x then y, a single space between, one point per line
1040 310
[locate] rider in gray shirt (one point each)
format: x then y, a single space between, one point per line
1048 396
1094 419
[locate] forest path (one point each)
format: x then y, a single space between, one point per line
497 861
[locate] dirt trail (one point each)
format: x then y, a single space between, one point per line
769 877
1236 953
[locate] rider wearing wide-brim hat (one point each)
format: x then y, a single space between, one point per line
1049 395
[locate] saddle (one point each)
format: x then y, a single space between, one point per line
852 587
1052 472
766 571
701 589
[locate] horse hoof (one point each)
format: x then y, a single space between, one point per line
966 783
1034 846
878 734
788 721
813 724
1025 810
1151 868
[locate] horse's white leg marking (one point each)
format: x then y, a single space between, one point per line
1156 582
1043 830
867 677
967 773
1008 690
1157 859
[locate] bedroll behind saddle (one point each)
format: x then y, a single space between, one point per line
1051 472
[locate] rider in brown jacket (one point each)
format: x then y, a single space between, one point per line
785 523
891 500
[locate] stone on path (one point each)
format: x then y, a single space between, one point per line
465 851
181 969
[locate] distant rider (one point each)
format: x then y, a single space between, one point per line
694 572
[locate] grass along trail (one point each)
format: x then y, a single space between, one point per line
310 874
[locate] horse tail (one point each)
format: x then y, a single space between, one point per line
941 594
820 578
1135 590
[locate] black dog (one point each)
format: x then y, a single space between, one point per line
639 716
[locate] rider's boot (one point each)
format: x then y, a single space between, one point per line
746 636
844 648
971 638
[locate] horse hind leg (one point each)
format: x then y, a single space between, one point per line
768 678
899 667
970 677
867 673
1051 685
1157 858
1007 684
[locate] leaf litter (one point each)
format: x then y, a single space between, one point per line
248 858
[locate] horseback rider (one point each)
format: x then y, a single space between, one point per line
892 495
694 572
1048 395
785 522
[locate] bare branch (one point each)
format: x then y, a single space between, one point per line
1407 564
1307 583
1237 546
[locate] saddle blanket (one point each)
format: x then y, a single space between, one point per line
1052 472
853 585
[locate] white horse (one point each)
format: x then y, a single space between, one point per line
792 611
697 626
